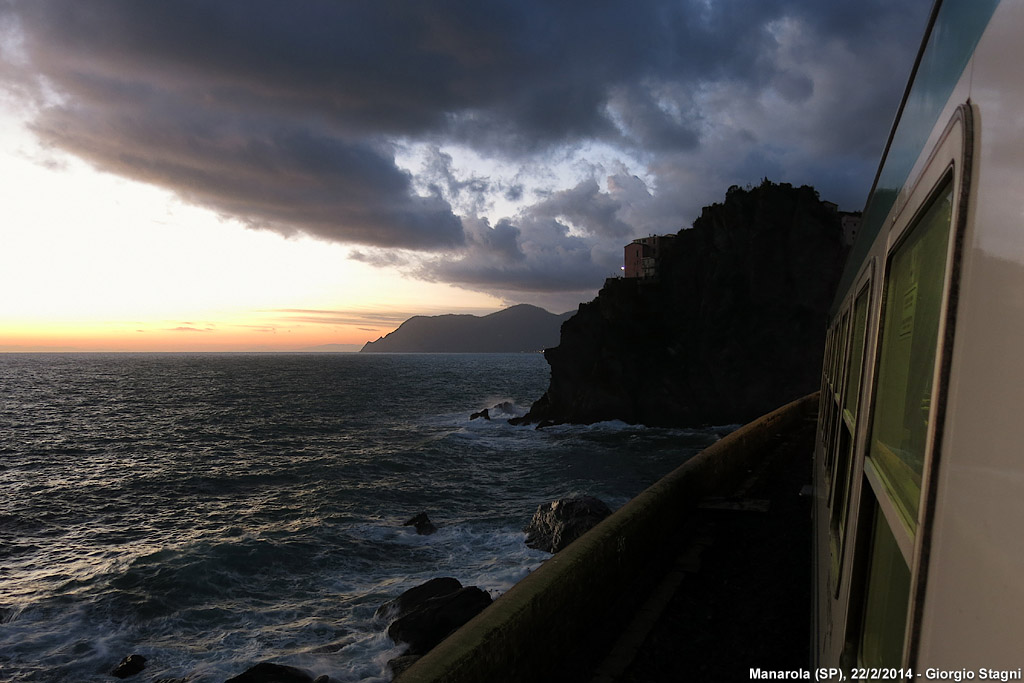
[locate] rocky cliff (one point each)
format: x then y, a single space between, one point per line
732 326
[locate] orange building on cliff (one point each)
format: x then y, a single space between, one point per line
642 255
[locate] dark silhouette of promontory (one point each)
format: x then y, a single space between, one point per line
516 329
716 325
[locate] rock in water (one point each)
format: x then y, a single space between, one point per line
267 672
429 623
414 597
424 527
129 666
485 414
556 525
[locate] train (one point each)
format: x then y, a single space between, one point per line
919 454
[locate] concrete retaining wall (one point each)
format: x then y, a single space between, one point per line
540 618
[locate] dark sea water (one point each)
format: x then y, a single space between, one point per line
213 511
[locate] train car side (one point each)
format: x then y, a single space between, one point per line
919 462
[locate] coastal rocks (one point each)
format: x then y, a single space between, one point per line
129 666
501 410
556 525
268 672
504 406
414 597
426 614
431 621
424 527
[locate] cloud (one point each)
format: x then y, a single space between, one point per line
275 174
568 242
586 208
341 317
366 320
183 328
470 194
590 123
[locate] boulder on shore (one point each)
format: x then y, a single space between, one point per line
414 597
430 622
557 524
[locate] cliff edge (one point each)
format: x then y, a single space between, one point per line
731 327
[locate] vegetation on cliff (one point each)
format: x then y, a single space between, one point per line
732 326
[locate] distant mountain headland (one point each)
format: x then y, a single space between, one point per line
716 324
516 329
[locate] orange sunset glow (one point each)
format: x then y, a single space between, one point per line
93 262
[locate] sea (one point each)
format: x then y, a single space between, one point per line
214 511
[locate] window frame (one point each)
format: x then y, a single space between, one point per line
855 426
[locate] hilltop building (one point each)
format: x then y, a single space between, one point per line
850 223
642 256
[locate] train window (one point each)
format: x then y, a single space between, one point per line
840 496
841 361
910 332
826 383
888 594
829 350
835 411
860 321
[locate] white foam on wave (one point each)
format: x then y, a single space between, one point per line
499 409
493 559
605 426
47 643
504 408
453 546
490 557
364 659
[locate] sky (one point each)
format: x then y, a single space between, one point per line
266 175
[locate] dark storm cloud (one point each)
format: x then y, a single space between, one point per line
539 262
276 175
550 248
587 208
645 122
289 116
